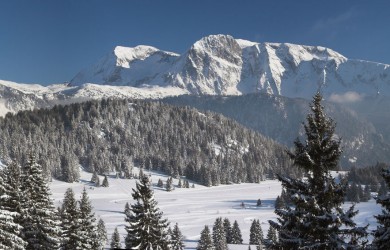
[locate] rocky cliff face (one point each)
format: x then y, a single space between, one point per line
222 65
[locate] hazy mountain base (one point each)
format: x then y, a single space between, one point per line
365 142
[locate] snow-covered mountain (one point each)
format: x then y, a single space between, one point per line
214 65
222 65
18 96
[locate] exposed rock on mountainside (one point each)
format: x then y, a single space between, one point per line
222 65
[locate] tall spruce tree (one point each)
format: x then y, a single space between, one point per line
382 233
87 221
219 237
115 240
101 236
272 237
316 219
105 182
206 241
256 235
40 221
228 230
146 229
70 218
236 236
9 227
177 239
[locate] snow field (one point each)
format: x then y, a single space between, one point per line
192 208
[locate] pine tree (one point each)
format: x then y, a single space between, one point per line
383 189
160 183
236 237
87 221
176 239
127 211
279 203
256 235
169 184
101 236
97 183
105 182
180 184
40 222
382 233
115 240
219 237
206 241
12 178
367 193
315 218
146 229
94 177
353 193
228 230
272 236
9 228
70 217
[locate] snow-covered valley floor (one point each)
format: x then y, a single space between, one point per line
194 207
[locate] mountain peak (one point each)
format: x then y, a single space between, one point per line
222 65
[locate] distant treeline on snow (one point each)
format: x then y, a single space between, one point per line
114 135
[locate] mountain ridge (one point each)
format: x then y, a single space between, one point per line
223 65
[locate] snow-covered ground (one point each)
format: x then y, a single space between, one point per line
194 207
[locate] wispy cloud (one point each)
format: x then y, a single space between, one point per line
331 27
348 97
335 21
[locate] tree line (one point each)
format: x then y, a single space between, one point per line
115 135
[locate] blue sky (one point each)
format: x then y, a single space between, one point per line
49 41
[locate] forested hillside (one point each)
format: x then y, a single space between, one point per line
115 135
280 118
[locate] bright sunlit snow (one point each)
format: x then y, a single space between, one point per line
194 207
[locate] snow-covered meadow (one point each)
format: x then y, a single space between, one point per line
194 207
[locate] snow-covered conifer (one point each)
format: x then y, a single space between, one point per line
219 237
176 239
236 236
206 241
87 230
94 177
272 236
315 218
228 230
105 182
160 183
256 235
70 217
115 240
169 184
146 227
97 183
382 233
9 228
101 236
40 222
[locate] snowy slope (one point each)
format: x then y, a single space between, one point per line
127 66
220 64
195 207
18 96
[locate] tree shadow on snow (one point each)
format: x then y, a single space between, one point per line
252 204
